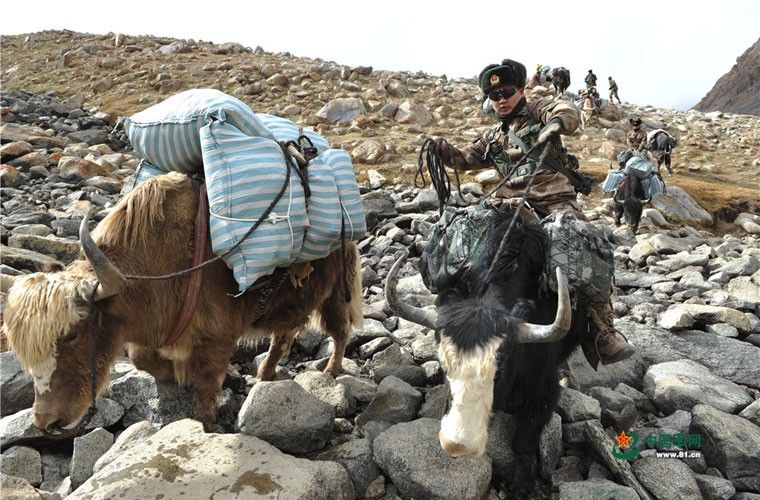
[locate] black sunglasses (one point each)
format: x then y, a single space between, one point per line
498 94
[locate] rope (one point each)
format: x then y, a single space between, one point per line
303 154
266 294
505 238
432 152
522 160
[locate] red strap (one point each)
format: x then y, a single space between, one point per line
191 297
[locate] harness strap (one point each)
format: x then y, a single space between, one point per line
556 166
194 288
518 142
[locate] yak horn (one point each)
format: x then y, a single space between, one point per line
528 333
7 281
402 309
111 281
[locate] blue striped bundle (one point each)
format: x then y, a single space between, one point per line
245 170
168 133
286 130
613 180
335 208
243 176
144 172
349 198
653 186
639 166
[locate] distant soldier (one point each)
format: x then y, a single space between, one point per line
590 79
587 109
637 138
613 89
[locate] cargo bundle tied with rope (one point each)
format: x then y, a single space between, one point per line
246 160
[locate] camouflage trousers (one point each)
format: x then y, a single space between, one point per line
550 192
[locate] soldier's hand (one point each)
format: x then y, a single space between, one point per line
551 131
444 150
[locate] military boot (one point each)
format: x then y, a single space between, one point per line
611 345
605 343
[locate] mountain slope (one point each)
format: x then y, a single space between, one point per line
738 91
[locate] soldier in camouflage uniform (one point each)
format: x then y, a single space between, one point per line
590 80
613 89
527 120
637 138
523 124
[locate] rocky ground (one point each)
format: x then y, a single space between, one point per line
688 297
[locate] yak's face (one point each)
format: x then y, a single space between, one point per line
470 375
471 334
632 210
47 325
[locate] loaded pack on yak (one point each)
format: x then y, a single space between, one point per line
633 185
300 213
579 248
560 79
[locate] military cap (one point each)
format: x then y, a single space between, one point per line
509 72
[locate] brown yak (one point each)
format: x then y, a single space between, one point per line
48 317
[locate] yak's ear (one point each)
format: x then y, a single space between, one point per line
51 267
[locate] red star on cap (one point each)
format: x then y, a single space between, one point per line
623 440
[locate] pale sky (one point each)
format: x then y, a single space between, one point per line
663 53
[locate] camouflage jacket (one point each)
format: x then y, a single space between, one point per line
637 139
549 187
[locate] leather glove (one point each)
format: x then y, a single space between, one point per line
551 131
444 149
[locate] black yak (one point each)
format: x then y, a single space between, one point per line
501 338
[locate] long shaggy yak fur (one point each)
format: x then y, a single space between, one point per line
40 309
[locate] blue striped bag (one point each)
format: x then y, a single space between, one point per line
144 172
243 177
286 130
336 212
334 196
323 235
168 133
350 199
639 166
653 186
613 180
